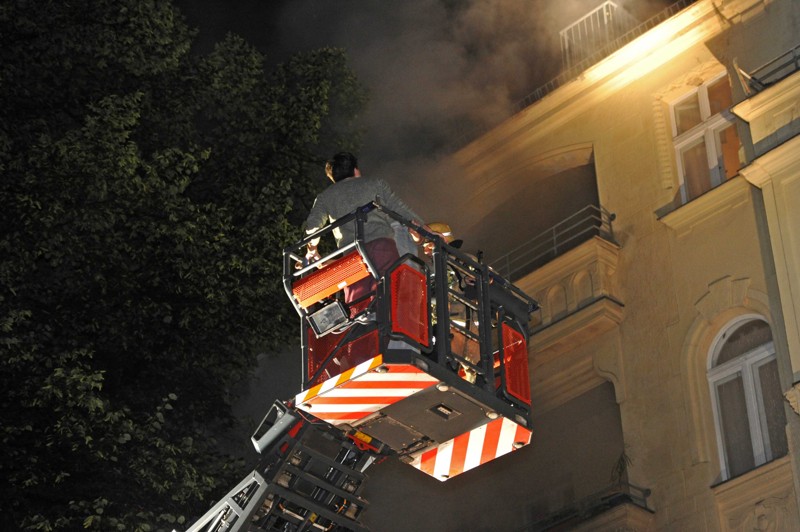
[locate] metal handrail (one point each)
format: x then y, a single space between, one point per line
775 70
579 227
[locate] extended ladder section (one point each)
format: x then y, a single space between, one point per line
433 362
310 478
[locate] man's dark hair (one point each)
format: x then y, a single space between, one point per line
341 166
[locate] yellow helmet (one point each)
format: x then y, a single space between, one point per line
443 229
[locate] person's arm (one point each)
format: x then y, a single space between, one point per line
317 218
311 248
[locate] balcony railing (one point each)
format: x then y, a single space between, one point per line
775 70
592 31
592 506
547 245
577 68
602 52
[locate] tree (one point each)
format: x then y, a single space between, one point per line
147 195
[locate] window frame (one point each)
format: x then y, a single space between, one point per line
748 364
709 129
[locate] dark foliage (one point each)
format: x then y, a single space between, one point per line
146 197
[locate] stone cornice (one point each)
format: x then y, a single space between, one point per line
731 194
576 329
596 249
776 96
783 160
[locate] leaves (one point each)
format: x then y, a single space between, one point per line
147 197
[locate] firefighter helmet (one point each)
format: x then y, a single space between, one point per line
443 229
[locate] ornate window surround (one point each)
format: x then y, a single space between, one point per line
725 301
745 363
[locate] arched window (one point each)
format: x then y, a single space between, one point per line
746 397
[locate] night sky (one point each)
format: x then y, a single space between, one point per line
439 72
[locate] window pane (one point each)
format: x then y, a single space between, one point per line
744 338
729 151
696 174
735 426
687 113
775 416
719 95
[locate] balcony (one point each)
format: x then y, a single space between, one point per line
618 507
571 270
773 71
567 234
770 111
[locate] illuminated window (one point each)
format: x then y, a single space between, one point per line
707 147
746 397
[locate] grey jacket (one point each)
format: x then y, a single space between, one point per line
345 196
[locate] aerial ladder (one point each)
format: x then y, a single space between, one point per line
431 367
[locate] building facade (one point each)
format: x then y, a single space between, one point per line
664 185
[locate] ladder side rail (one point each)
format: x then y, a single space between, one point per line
484 329
217 516
316 508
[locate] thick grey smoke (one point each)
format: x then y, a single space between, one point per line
437 70
440 72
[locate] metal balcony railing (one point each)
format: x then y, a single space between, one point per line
575 229
602 52
775 70
577 68
593 31
592 506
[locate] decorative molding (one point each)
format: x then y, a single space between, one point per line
664 146
717 201
771 513
793 397
595 250
576 329
777 163
721 295
724 300
623 518
762 499
582 304
777 173
563 365
773 108
608 364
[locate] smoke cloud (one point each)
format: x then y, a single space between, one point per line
439 72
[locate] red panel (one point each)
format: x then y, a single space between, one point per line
348 356
515 359
329 279
410 303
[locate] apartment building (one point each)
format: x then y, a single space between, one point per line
650 201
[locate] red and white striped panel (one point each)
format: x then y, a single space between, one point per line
471 449
361 391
